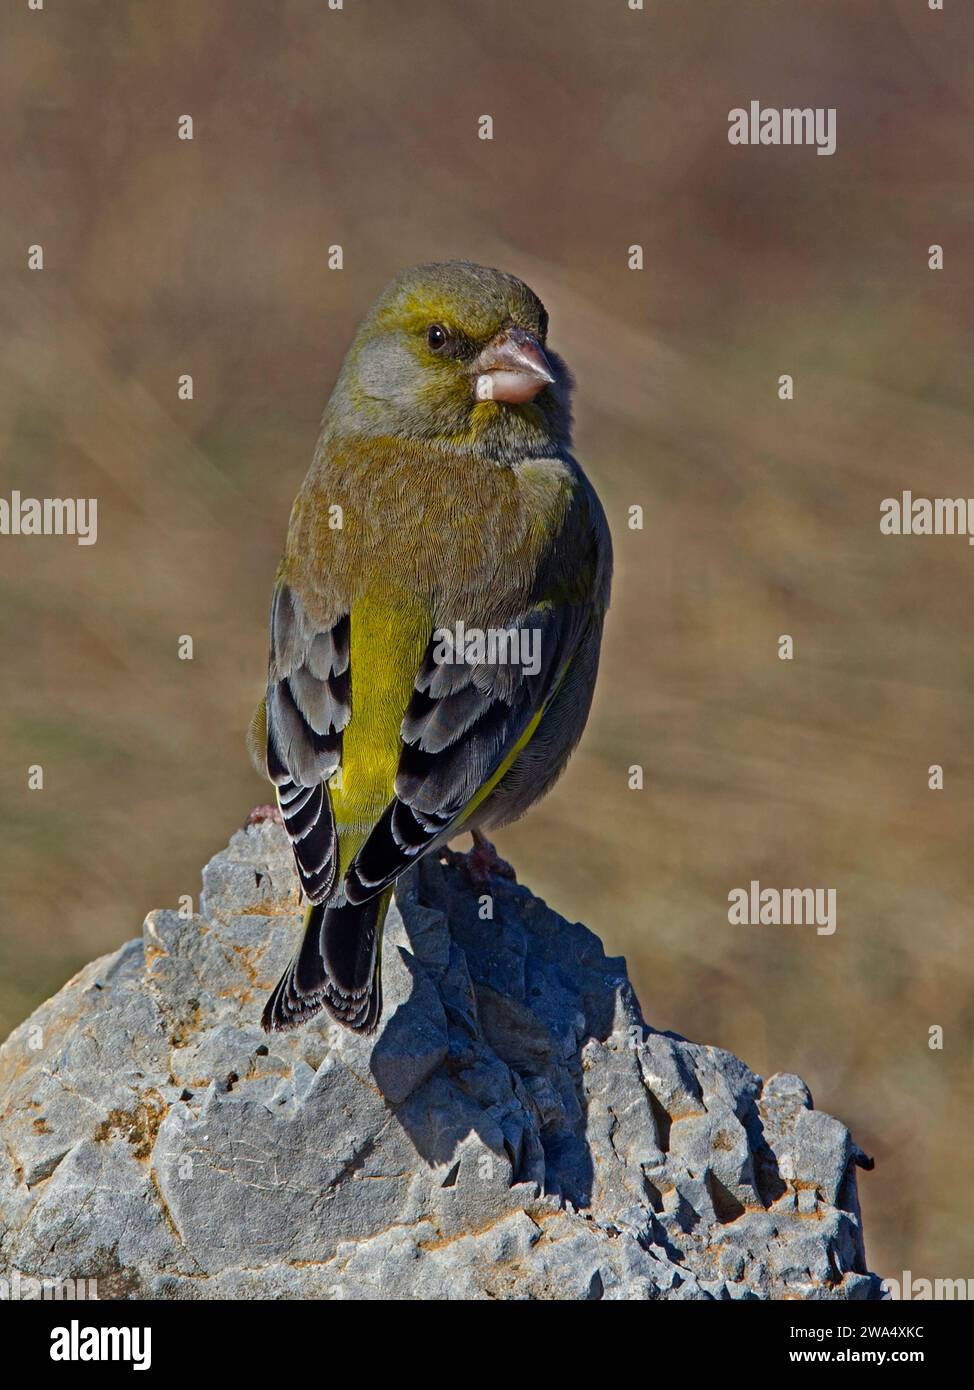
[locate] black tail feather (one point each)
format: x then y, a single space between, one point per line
336 968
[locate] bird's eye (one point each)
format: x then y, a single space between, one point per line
436 336
543 325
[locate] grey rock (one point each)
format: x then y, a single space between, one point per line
514 1129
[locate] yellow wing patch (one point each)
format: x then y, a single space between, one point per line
388 638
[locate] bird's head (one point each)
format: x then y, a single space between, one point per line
457 353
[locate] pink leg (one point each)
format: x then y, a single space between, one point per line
483 862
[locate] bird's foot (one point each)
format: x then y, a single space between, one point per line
483 862
261 813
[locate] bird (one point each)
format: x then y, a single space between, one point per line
436 619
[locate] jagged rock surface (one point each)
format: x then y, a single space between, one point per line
513 1131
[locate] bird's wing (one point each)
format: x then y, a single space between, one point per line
463 728
308 707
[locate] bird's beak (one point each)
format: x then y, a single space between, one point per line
511 368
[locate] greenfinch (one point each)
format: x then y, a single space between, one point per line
437 616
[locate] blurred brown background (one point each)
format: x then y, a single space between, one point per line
359 127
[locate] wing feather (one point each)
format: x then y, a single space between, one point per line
461 723
308 708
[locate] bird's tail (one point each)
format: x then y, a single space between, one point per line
337 968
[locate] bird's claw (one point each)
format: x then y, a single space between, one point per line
483 863
261 813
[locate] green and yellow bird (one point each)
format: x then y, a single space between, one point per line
437 616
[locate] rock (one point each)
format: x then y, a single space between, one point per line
514 1130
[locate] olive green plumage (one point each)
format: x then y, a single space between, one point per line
442 492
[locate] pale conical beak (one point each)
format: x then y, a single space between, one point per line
511 368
